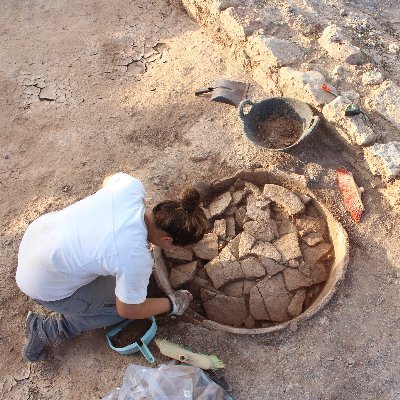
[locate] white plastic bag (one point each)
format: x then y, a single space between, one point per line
168 382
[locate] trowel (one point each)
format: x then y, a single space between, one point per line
225 91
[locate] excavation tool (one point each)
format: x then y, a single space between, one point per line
350 110
351 194
179 353
225 91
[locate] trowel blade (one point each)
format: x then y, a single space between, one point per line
229 92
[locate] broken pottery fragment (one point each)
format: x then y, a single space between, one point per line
249 322
318 273
257 305
265 249
230 227
276 297
295 279
307 224
234 289
313 254
272 266
284 198
313 238
226 310
252 268
247 286
296 305
180 253
285 227
254 212
220 204
264 231
220 228
245 244
240 217
238 197
288 246
206 295
197 284
207 248
182 274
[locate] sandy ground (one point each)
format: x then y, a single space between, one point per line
106 119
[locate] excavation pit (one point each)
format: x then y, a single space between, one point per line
272 257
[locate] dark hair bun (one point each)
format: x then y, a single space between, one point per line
190 199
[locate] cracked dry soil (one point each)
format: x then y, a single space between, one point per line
80 101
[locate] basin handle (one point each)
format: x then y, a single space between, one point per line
145 351
245 102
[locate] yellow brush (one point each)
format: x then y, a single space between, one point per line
179 353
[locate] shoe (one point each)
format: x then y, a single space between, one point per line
34 348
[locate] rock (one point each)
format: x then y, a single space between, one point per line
295 279
180 253
136 68
304 86
220 228
257 305
288 246
394 48
296 305
313 254
384 159
276 297
265 250
272 51
230 227
263 231
247 286
386 101
249 323
246 244
48 93
313 238
353 130
220 204
32 90
226 310
272 266
333 41
372 78
318 273
252 268
224 269
284 198
207 248
392 195
307 224
234 289
182 274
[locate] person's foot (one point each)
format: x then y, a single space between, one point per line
34 348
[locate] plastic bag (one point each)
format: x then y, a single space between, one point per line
168 382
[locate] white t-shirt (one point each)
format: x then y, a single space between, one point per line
103 234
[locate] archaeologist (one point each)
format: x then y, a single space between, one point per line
90 263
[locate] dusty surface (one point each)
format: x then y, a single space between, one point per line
105 119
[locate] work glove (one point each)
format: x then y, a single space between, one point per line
180 301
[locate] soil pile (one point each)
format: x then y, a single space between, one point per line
264 262
277 132
132 333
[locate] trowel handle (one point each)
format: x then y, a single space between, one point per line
146 352
242 105
199 92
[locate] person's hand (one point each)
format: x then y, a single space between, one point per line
180 301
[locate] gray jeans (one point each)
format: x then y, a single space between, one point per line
91 306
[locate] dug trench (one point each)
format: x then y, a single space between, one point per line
264 260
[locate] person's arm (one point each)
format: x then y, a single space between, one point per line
149 308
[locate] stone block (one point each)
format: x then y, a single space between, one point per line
384 159
313 254
372 78
304 86
339 48
182 274
288 246
257 305
386 101
266 250
226 310
252 268
392 195
296 305
353 130
276 297
234 289
272 51
207 248
284 198
246 243
180 253
295 279
220 228
219 205
239 22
